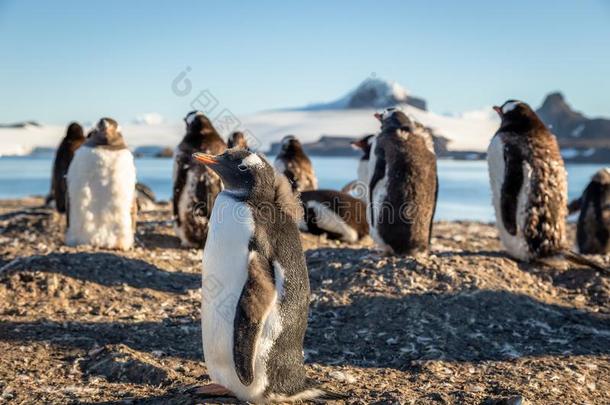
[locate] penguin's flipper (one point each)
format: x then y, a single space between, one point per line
511 186
256 299
574 206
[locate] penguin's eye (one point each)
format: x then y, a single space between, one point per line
242 167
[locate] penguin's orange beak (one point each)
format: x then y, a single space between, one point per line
205 158
498 110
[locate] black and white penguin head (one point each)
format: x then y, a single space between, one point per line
237 140
517 115
75 132
197 122
242 172
364 144
107 132
392 118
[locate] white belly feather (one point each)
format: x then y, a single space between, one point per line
516 245
101 189
225 272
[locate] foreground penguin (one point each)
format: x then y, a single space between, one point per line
195 186
529 186
295 165
253 327
238 140
403 186
336 214
101 191
72 141
359 188
593 230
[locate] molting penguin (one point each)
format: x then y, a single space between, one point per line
529 186
254 309
295 165
238 140
359 188
195 186
593 230
338 215
101 184
72 141
403 186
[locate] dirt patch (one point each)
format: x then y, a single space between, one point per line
464 325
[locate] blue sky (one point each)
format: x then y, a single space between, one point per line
79 60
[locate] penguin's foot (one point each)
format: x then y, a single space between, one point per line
212 390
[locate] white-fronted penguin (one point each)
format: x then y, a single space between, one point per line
336 214
255 285
238 140
101 184
195 186
295 165
65 152
593 229
359 187
403 186
529 186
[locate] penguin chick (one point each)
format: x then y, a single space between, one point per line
529 186
295 165
593 229
195 186
238 140
403 185
101 184
336 214
253 327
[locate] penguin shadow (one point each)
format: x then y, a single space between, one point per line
110 269
465 326
495 254
176 339
156 240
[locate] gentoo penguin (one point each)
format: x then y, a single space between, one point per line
238 140
295 165
72 141
403 186
359 188
101 191
529 186
254 324
195 186
593 230
338 215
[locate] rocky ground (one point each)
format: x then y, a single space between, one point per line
466 325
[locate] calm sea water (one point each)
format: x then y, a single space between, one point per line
464 185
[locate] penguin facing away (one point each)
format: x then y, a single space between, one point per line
101 184
295 165
359 188
529 186
593 229
72 141
403 185
238 140
195 186
253 328
336 214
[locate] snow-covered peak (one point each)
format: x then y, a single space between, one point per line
372 93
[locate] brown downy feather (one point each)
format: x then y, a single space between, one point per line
286 199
